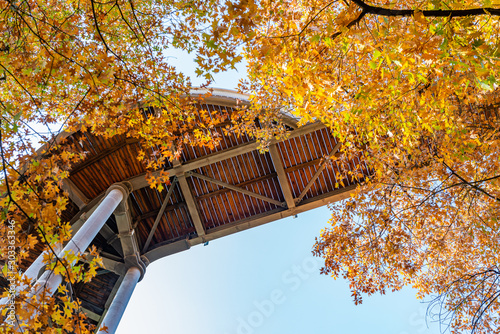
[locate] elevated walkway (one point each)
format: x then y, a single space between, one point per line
212 194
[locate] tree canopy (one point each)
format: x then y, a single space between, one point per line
89 65
412 85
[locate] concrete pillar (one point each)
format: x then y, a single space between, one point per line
82 239
31 273
37 265
119 303
34 269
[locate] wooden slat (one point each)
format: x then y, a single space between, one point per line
103 153
139 181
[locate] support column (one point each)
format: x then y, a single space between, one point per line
282 178
191 205
37 265
34 269
31 273
82 239
119 304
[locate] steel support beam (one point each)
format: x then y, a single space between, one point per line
125 230
91 315
110 299
111 239
236 188
160 214
82 239
109 264
167 249
33 271
316 175
191 205
244 224
75 194
282 178
289 121
274 215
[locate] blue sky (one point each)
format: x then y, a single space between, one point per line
261 281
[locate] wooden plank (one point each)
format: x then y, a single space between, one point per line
139 181
154 213
110 299
95 158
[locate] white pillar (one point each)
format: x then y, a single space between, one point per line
82 239
119 303
32 272
34 269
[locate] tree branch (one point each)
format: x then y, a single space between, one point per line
470 184
381 11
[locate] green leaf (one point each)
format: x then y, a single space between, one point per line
17 116
211 44
315 38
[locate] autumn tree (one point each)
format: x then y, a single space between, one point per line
90 65
414 86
